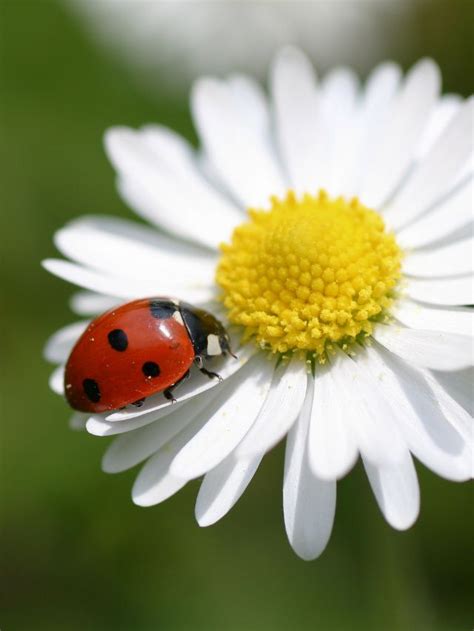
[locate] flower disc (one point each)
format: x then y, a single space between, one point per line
309 271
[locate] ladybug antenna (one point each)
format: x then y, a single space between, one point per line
225 345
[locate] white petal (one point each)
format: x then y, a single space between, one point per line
337 114
378 96
425 427
241 157
418 316
401 133
232 414
155 483
56 380
300 136
428 349
467 171
454 212
60 344
207 168
127 250
88 303
368 414
223 486
462 232
124 288
99 426
169 148
332 446
396 491
184 205
445 291
128 450
447 107
195 385
309 503
281 407
158 479
458 385
145 204
381 87
437 172
251 101
456 258
459 418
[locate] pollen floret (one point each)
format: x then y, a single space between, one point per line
308 272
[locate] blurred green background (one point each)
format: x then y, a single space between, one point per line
76 554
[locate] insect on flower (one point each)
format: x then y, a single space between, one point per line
329 225
138 349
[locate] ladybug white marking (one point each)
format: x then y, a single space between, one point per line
213 345
177 316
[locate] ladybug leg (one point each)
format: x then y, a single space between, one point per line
229 352
168 393
212 375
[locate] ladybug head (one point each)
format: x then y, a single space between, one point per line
207 334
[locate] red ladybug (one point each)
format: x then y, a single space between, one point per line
138 349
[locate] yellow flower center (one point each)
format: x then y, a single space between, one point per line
309 272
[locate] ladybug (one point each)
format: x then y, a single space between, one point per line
138 349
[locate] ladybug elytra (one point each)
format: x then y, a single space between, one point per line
138 349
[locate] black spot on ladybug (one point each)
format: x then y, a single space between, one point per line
162 309
118 340
151 369
92 390
139 403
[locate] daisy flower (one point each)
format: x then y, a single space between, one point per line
152 36
329 225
